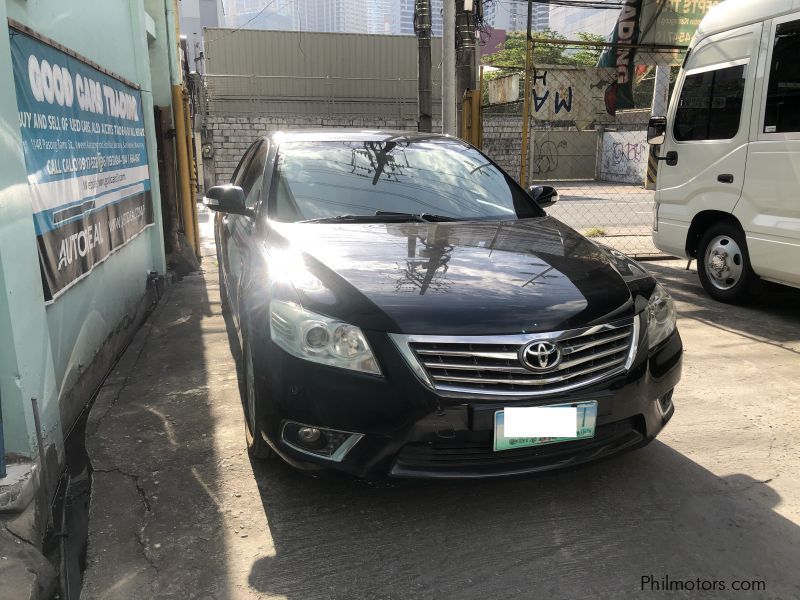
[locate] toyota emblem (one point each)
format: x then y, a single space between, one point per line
540 356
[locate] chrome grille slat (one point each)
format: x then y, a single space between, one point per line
547 381
579 361
474 367
585 346
490 365
469 353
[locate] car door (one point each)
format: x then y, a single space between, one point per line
708 133
769 209
238 229
223 224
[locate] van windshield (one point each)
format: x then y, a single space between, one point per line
439 178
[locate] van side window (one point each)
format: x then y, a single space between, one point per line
710 106
783 94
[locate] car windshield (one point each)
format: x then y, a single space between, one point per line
391 180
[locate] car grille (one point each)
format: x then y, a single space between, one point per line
492 365
467 455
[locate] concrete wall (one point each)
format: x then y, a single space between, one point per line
563 155
58 353
624 158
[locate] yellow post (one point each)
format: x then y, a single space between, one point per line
192 170
187 199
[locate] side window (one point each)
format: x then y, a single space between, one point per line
238 174
782 112
710 105
253 179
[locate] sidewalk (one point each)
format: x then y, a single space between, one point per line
172 480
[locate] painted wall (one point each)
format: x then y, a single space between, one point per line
46 350
624 157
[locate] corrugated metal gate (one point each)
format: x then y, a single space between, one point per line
273 73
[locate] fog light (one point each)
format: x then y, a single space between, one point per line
308 435
330 444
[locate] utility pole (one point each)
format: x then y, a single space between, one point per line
449 67
465 54
422 25
526 103
659 109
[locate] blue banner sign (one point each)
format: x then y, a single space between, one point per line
85 154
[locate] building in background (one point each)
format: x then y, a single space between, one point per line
569 21
257 14
406 17
194 15
512 15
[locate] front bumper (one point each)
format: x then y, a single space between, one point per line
410 431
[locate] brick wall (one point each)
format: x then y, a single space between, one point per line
502 141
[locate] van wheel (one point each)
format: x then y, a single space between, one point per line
253 407
724 265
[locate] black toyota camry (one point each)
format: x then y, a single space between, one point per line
405 308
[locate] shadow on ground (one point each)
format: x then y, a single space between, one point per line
593 532
772 318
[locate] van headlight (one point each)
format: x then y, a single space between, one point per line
320 339
661 316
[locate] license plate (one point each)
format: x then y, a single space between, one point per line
584 428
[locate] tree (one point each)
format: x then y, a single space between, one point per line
589 55
512 56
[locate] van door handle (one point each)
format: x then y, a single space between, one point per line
725 178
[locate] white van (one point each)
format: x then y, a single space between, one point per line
728 189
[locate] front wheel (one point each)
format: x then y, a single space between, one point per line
724 265
253 407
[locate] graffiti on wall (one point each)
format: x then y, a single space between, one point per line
561 155
581 94
624 156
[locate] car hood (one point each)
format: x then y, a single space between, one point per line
459 278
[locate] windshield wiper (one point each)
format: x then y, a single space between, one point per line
423 217
382 216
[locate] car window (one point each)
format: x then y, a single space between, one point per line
783 93
238 174
253 179
322 179
710 105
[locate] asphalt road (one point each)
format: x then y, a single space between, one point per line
179 511
613 207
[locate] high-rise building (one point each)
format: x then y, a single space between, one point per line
569 21
194 15
406 17
257 14
512 15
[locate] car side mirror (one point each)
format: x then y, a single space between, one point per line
226 199
656 130
543 195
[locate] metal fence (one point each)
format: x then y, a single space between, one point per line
595 154
291 95
286 73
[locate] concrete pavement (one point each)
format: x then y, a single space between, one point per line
179 511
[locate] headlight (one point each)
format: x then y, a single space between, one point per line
661 316
318 338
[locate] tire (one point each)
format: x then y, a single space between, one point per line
723 265
253 406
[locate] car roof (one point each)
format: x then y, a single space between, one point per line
356 135
738 13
